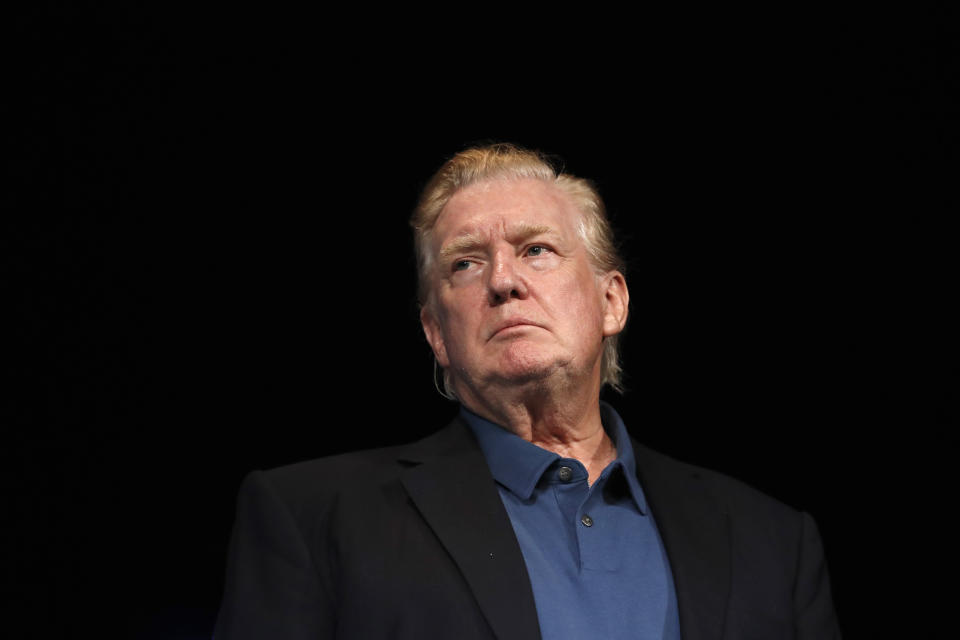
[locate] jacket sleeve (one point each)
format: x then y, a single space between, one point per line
272 588
812 600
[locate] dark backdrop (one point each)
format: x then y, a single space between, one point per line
211 267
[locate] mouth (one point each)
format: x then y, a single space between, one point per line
513 323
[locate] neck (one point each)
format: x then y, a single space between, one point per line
567 423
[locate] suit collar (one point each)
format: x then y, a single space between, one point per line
515 463
449 481
519 465
695 533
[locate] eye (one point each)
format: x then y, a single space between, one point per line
461 265
537 250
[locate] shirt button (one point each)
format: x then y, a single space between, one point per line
565 473
587 521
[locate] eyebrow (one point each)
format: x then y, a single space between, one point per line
516 234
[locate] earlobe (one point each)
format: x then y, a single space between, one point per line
616 301
434 335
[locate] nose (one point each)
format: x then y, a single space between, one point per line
505 279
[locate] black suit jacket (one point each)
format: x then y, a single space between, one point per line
414 542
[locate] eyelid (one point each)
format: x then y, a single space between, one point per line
455 264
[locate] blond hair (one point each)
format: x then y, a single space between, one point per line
508 161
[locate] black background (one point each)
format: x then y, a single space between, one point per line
211 265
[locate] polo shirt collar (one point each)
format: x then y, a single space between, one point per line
613 425
518 465
514 462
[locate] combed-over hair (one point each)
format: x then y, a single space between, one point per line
508 161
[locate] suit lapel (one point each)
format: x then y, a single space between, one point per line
452 487
695 532
454 491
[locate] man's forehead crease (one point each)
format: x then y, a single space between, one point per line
514 232
465 241
520 231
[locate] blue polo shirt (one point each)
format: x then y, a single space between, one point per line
595 560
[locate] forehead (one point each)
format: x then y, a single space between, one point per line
504 203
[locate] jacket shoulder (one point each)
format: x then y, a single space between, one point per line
302 486
734 496
778 577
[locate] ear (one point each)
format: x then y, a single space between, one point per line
616 301
434 334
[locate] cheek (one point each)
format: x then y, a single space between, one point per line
460 323
578 300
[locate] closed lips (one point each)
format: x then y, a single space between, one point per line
514 322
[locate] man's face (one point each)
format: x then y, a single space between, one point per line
513 296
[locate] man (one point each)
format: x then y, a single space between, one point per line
533 514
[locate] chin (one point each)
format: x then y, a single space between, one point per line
520 368
525 376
